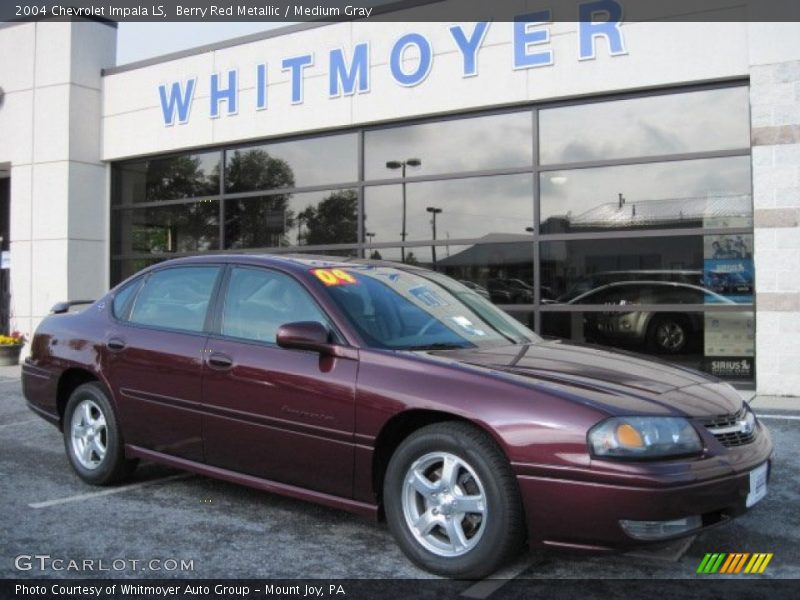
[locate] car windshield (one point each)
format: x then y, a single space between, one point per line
400 310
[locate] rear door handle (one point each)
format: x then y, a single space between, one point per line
220 361
115 344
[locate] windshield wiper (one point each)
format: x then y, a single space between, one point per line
439 346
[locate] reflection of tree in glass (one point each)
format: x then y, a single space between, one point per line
179 177
264 221
376 255
333 221
411 259
254 170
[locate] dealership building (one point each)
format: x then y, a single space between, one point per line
564 170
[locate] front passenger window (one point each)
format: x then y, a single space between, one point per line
259 301
175 298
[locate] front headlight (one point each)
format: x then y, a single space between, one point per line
644 437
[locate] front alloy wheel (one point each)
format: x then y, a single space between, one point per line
444 504
452 502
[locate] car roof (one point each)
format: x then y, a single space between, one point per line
296 262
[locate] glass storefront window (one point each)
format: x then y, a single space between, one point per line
720 343
469 213
172 178
167 229
317 161
455 146
662 270
307 219
655 125
713 192
477 207
122 269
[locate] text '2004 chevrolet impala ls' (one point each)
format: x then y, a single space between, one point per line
391 390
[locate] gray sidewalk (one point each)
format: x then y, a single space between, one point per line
758 402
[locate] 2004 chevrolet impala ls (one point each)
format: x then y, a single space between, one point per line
393 390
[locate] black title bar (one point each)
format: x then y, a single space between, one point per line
393 10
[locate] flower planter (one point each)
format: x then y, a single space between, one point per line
9 355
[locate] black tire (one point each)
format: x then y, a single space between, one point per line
668 334
95 467
500 529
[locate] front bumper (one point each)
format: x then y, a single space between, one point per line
583 514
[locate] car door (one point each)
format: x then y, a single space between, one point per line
154 354
283 415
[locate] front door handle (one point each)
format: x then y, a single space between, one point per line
218 360
115 344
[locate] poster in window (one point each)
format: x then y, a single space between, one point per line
728 268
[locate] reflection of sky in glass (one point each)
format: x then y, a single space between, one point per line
497 141
670 124
472 208
318 161
580 193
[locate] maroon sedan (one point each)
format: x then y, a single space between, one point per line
391 390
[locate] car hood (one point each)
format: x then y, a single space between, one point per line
619 382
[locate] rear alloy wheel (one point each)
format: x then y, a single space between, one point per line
451 501
668 335
92 438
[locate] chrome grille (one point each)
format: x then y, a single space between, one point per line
727 430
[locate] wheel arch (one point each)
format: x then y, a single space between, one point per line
399 427
68 382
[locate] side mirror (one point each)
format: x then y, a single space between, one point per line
304 335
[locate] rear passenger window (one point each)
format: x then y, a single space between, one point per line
259 301
176 298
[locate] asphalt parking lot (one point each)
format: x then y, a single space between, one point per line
227 531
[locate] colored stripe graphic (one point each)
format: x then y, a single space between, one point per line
741 562
766 562
703 563
726 566
711 562
758 563
724 563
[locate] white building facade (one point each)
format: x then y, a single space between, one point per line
563 170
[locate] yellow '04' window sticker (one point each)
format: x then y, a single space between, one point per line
331 277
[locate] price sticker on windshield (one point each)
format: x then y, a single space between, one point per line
331 277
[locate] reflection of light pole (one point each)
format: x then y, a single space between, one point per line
401 164
434 211
369 235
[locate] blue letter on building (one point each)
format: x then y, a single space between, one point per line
261 87
608 29
227 94
359 70
525 35
425 59
296 66
179 99
469 47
